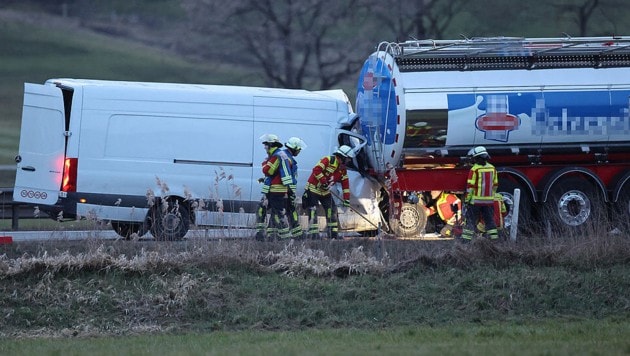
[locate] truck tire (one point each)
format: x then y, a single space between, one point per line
411 223
126 229
506 189
571 205
170 220
621 212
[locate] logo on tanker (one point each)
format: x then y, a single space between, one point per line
497 122
369 82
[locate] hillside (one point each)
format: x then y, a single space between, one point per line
36 47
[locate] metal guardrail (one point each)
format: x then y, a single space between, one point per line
13 210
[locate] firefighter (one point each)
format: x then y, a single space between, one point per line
444 210
277 171
481 188
328 171
293 148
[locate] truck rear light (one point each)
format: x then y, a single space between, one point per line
69 182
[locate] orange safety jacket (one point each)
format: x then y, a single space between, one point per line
326 172
482 184
444 208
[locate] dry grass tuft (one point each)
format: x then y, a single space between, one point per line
575 252
353 257
300 260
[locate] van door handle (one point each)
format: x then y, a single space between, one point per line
29 168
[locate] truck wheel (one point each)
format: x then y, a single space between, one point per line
170 220
571 205
125 228
621 212
506 189
411 223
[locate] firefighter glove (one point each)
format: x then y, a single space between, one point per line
346 203
260 180
305 200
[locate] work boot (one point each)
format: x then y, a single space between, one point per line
314 236
260 236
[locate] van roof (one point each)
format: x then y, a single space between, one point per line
110 85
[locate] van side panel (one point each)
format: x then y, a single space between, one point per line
186 148
309 120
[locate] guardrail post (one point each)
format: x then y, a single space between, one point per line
15 216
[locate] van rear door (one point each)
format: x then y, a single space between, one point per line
40 157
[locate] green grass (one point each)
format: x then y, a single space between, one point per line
557 337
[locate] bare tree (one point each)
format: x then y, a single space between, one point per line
417 18
296 43
612 17
581 12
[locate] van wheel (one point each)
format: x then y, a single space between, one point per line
126 229
412 221
170 220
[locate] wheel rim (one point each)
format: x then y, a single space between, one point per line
574 208
508 200
409 218
170 223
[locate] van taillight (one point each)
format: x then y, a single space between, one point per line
69 182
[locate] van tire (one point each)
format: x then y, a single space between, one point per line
412 221
170 220
126 229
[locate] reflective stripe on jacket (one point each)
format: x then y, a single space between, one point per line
328 171
482 184
278 173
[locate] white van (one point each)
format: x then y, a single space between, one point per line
159 157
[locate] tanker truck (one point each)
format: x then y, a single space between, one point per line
553 114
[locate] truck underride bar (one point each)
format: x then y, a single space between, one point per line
507 53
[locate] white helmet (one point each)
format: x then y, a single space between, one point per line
479 151
345 151
295 143
271 140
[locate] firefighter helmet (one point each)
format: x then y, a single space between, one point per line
345 151
295 143
479 151
271 140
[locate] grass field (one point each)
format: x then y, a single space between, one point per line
560 297
556 337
